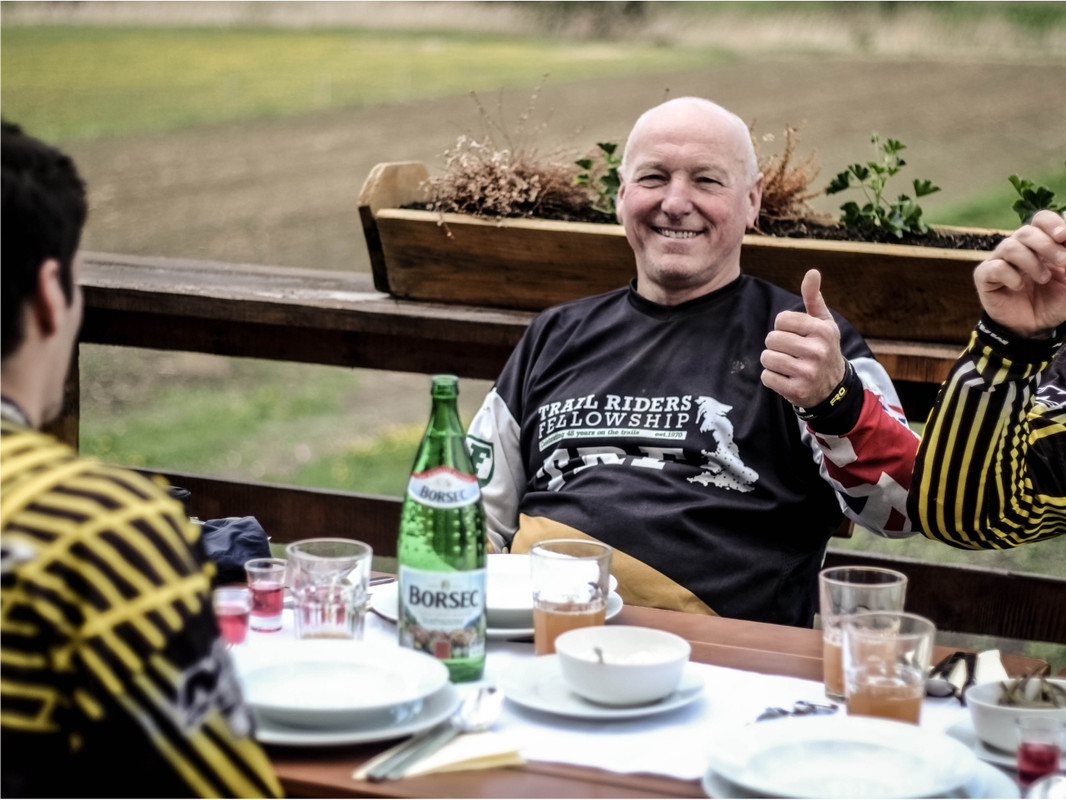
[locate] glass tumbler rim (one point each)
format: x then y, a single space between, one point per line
361 548
826 576
541 548
923 622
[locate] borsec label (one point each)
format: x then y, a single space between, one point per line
443 613
443 487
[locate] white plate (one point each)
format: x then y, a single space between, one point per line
540 686
841 756
964 732
385 603
330 683
987 782
433 710
509 593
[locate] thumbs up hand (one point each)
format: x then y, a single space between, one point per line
802 361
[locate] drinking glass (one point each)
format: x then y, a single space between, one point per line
232 605
886 659
570 580
1040 743
328 581
266 580
850 590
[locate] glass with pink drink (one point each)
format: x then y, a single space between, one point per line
232 606
266 581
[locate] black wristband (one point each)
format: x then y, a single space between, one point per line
1018 348
839 412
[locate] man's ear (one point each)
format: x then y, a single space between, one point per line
755 200
49 300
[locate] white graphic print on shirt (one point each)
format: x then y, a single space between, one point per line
724 467
631 417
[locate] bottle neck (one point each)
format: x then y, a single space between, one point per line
444 417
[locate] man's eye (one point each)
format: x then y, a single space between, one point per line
651 180
707 180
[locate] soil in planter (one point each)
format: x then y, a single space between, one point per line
807 229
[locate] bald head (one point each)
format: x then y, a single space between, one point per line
711 119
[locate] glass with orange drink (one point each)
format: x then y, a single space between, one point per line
850 590
886 659
570 587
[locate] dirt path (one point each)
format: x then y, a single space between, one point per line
284 191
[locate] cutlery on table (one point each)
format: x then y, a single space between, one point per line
478 712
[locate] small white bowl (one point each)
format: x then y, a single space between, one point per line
994 724
639 666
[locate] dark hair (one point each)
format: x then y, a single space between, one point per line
44 210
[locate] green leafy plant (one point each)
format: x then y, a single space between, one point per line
904 215
1032 198
601 176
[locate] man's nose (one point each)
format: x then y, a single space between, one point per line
677 198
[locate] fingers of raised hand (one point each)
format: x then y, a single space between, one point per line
1019 259
1043 244
1052 223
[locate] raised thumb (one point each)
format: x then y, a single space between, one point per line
811 289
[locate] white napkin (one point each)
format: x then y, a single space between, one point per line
987 669
468 751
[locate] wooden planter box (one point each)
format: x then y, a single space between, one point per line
887 291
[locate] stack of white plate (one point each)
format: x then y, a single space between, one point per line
842 756
320 691
508 600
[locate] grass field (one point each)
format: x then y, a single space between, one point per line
73 83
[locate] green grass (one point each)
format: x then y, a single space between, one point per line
242 417
380 466
74 83
992 208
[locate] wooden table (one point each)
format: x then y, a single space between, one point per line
757 647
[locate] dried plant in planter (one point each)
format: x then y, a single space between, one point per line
786 185
487 179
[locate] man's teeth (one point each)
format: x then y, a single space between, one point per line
669 234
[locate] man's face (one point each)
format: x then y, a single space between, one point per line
686 199
62 348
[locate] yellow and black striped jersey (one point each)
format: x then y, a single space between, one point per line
114 679
991 468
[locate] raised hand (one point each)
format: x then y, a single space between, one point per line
802 361
1022 285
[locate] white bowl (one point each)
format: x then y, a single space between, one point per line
639 666
995 724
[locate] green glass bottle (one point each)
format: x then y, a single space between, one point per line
441 547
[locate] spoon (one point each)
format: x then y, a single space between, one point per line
477 712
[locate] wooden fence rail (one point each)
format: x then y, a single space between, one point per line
338 318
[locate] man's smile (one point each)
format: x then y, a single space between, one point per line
669 233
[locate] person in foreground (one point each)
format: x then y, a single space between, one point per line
711 427
991 468
115 682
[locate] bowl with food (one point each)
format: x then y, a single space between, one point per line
996 707
622 665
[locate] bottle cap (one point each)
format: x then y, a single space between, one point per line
445 386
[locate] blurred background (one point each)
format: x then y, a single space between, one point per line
243 131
